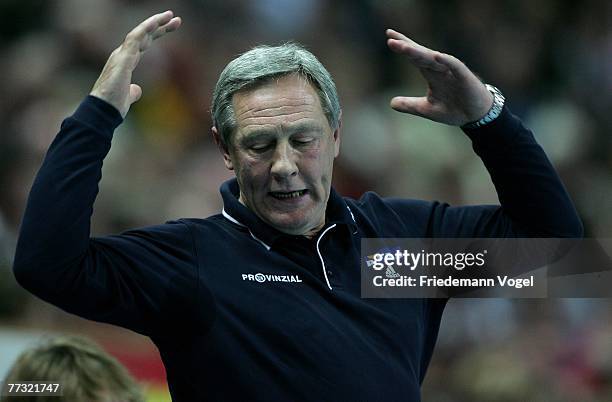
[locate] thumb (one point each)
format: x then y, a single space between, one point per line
412 105
135 93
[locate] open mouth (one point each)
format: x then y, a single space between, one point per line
285 195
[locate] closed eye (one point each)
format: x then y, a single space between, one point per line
303 141
259 147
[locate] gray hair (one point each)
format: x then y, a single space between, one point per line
258 66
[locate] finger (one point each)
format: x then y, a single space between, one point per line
152 23
135 93
138 34
172 25
419 55
412 105
398 35
455 65
422 56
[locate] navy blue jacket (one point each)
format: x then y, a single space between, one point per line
240 311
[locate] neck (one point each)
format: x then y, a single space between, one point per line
308 234
312 233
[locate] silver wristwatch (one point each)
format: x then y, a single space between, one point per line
496 108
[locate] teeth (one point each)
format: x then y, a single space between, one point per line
293 194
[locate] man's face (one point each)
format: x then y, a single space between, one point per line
282 152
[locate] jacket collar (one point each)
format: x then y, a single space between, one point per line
337 212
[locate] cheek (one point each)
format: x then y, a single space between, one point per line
324 154
312 159
317 165
252 172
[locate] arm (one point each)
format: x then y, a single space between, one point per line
533 200
140 279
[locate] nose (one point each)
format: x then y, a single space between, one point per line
283 163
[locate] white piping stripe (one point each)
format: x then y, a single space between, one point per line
263 244
233 220
351 212
353 218
321 257
230 218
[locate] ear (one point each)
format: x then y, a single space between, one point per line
336 135
227 159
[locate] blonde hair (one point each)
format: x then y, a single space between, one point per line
84 370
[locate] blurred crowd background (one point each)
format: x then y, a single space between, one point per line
551 58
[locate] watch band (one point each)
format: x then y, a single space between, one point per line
494 111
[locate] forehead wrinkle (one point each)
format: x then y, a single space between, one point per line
276 106
272 108
279 110
262 128
275 120
277 116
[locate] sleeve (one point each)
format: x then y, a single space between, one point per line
142 279
534 202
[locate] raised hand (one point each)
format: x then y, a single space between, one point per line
115 82
455 96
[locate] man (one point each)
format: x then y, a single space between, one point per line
82 369
262 302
